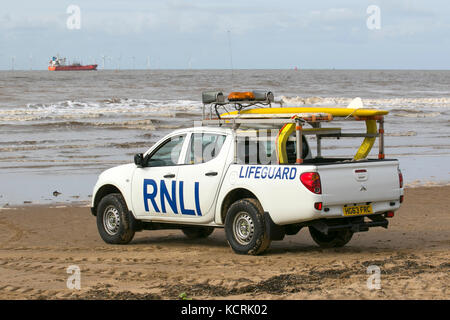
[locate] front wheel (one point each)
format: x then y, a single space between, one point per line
245 227
113 220
333 239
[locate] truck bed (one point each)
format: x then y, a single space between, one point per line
359 181
328 161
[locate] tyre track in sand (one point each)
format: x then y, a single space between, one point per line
143 273
10 228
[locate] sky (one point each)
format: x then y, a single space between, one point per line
239 34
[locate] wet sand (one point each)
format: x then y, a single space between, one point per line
38 244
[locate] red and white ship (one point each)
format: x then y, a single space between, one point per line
59 64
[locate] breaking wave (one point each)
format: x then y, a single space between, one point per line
114 107
137 108
443 102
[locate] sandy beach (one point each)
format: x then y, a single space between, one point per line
38 244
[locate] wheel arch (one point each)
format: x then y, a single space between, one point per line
102 192
233 196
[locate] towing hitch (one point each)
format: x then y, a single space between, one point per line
354 224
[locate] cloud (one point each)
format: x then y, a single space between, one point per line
261 30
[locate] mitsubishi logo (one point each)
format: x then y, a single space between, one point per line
363 188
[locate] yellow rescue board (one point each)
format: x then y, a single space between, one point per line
368 142
335 112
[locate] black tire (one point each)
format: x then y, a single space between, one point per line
113 220
197 232
334 239
245 227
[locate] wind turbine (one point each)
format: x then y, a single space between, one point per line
118 61
103 58
231 57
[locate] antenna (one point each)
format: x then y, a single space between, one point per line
231 57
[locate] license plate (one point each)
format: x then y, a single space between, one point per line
357 210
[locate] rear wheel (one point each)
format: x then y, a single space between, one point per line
333 239
245 227
197 232
113 220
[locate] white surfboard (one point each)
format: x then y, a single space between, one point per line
356 104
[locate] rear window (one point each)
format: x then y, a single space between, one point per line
259 147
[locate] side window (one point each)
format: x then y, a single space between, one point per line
168 153
204 147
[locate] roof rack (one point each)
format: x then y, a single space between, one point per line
295 120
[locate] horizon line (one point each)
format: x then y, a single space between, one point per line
243 69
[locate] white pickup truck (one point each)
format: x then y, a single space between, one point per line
219 176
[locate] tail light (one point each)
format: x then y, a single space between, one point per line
400 178
389 214
318 206
311 180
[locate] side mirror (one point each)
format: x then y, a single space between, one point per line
139 160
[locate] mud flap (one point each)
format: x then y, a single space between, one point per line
275 232
135 225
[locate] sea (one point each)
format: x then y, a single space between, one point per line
60 130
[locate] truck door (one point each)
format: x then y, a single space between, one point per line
201 174
154 186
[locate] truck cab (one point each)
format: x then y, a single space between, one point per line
175 183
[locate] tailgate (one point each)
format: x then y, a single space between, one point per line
359 182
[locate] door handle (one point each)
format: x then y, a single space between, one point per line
210 174
169 175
